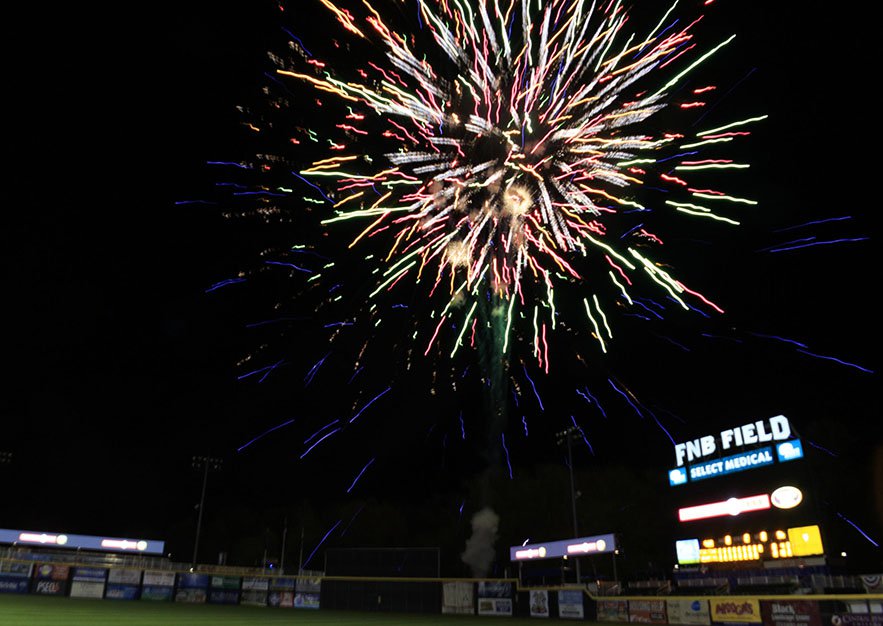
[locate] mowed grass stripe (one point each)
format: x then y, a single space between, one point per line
28 610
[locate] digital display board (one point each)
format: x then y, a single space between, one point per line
744 518
687 551
778 544
598 544
82 542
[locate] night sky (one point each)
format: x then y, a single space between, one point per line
122 362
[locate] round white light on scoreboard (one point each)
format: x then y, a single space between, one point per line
786 497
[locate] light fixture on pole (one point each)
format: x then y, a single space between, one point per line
565 437
204 464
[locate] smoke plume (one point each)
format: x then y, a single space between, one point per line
479 553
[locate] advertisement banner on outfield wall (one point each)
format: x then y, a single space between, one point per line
159 579
494 598
539 603
192 588
495 606
88 582
223 596
306 600
157 585
124 576
226 582
13 584
280 599
15 577
191 595
458 598
193 581
570 604
123 584
308 592
282 584
613 611
281 593
735 609
51 571
853 619
790 612
15 569
121 592
691 612
224 590
156 592
254 590
50 579
647 612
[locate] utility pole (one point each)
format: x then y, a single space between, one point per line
205 464
566 436
300 556
284 536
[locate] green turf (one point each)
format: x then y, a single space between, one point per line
27 610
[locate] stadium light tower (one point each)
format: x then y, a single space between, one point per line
205 464
566 437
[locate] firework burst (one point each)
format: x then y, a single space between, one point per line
519 162
504 170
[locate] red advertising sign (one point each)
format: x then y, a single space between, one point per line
613 610
647 612
790 612
50 571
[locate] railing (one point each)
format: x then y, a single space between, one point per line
88 558
821 583
657 587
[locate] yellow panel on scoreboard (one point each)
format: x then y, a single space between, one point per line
806 541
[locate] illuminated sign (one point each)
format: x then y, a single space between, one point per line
83 542
782 498
789 451
727 465
677 476
786 497
688 551
760 457
805 541
733 506
598 544
779 544
44 538
738 610
774 429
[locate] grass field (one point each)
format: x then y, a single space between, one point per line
28 610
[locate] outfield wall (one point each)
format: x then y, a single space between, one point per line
499 598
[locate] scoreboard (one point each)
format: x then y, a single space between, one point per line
743 495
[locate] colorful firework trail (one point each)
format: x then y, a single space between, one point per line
521 167
508 170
